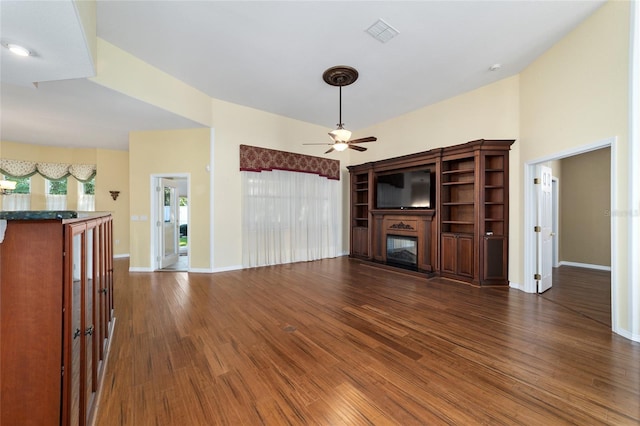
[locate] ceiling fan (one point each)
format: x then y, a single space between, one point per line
342 75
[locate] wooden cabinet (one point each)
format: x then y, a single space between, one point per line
56 285
361 197
474 211
470 230
457 255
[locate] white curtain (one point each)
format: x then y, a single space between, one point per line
86 202
56 201
289 217
15 202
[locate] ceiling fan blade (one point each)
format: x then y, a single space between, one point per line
362 140
330 150
357 148
317 144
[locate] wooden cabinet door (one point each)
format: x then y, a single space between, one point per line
457 254
494 268
89 321
360 241
465 255
449 251
72 409
80 381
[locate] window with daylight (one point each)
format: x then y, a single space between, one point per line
56 194
19 198
87 195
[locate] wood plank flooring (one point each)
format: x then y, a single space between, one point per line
336 342
586 291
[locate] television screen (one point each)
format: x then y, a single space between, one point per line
404 190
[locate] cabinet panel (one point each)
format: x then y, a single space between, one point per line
465 255
360 244
31 301
494 265
448 254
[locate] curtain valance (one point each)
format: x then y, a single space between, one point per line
52 171
255 159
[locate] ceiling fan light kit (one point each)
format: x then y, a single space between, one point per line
340 134
342 75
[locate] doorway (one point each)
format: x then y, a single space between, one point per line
602 206
170 239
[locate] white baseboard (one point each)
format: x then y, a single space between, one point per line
627 334
516 286
140 269
585 265
120 256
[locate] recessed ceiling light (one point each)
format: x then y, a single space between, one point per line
495 67
16 49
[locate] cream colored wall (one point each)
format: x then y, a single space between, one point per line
577 94
166 153
113 175
585 197
490 112
111 168
124 73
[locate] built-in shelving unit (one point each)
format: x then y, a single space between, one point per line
466 236
360 214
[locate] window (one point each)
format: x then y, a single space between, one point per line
19 198
56 194
87 195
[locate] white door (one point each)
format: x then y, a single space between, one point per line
168 223
544 229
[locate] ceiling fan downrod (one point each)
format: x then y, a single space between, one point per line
340 123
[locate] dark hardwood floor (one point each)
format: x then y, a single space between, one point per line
336 342
585 291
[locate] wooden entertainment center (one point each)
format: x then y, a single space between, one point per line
463 234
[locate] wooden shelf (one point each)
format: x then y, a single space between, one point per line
457 183
460 171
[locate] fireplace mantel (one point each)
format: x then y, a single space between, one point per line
411 223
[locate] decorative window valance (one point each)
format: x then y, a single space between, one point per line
255 159
52 171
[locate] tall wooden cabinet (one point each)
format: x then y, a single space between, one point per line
471 219
361 200
56 301
474 211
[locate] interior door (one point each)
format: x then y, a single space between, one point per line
168 223
544 229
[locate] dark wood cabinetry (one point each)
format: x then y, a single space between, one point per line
361 199
56 286
468 239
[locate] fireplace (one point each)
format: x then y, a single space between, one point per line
402 251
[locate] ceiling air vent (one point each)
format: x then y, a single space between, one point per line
382 31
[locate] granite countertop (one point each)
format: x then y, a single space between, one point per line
38 214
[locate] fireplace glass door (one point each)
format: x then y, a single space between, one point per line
402 251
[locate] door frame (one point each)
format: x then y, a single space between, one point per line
555 220
154 243
529 284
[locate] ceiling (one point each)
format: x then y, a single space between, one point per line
263 54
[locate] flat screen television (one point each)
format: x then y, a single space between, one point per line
405 190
